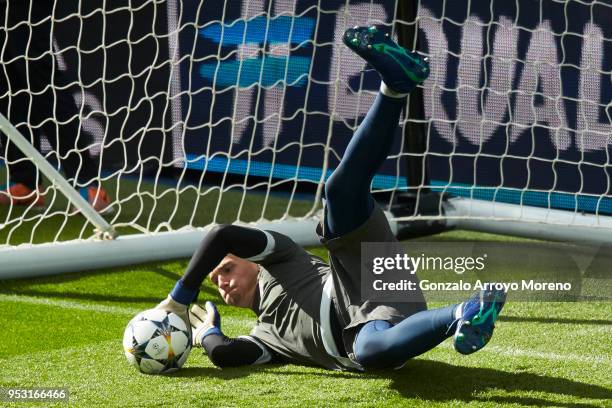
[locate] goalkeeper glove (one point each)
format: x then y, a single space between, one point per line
181 310
204 322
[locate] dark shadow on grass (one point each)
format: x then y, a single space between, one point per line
75 276
209 372
554 320
166 273
436 381
56 279
22 286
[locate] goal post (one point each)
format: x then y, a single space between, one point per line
103 229
199 113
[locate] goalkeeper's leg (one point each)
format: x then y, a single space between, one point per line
382 345
347 192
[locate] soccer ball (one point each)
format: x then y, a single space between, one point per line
156 342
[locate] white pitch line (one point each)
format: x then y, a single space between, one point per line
607 330
506 351
575 357
93 307
546 355
68 304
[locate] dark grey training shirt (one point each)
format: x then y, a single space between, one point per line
288 304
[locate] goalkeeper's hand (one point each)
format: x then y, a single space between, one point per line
181 310
204 322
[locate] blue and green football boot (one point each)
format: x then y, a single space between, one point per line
477 321
400 69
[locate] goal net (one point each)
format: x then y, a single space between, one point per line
191 113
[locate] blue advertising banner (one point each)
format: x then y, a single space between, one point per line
269 88
518 105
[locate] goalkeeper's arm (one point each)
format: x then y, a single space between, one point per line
224 351
264 247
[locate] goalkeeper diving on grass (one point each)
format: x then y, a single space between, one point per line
311 312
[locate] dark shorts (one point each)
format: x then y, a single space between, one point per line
345 262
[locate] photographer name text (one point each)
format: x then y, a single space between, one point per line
524 285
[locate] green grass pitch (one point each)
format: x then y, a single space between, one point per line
66 331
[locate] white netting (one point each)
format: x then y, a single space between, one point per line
173 147
519 103
194 112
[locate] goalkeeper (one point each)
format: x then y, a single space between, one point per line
310 312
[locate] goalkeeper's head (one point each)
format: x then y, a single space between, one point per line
236 279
